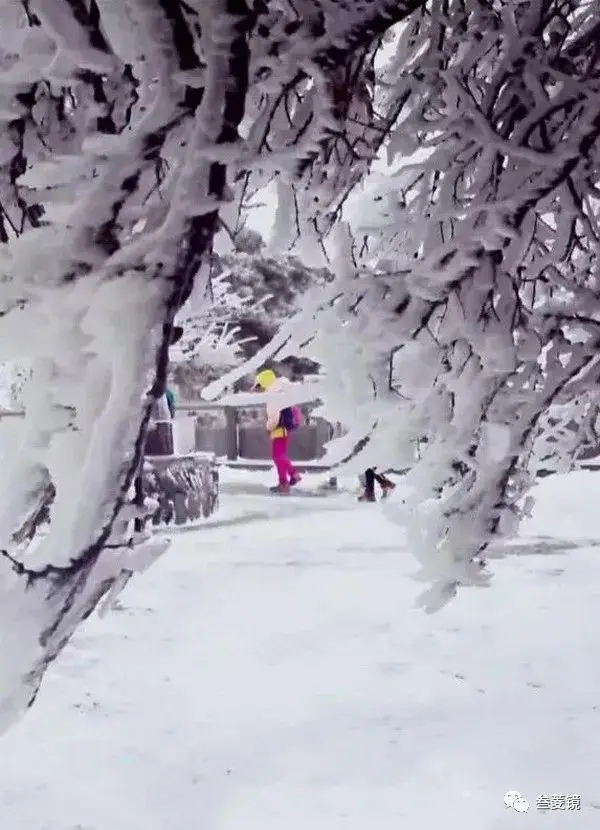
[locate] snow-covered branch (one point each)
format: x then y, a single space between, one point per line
472 313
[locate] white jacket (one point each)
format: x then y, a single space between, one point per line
160 412
273 408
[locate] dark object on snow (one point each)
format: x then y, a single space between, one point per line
369 479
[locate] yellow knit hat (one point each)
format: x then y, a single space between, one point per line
266 378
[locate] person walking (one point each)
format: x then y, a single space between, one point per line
159 436
170 398
279 424
159 439
368 480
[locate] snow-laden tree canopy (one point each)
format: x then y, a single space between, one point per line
465 303
125 127
462 331
248 298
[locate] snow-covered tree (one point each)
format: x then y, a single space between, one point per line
237 312
110 113
124 129
131 132
462 331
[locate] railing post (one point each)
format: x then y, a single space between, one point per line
231 433
336 432
316 445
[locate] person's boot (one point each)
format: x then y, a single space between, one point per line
386 488
365 496
280 489
295 479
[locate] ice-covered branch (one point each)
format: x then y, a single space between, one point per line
471 318
314 127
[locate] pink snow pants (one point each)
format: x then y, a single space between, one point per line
285 469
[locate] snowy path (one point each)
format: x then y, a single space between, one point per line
273 675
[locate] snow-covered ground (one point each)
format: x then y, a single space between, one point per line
271 673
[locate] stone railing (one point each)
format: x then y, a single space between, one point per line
184 485
234 435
